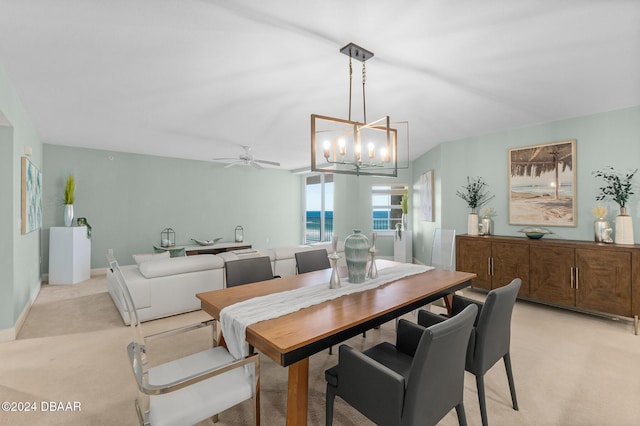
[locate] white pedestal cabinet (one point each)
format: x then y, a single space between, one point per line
69 255
403 247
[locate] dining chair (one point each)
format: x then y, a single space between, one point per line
248 270
416 382
490 337
312 260
192 388
443 249
315 260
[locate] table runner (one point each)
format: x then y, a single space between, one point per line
235 318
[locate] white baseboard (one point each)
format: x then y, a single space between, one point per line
9 334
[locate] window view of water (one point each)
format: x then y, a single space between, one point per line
313 226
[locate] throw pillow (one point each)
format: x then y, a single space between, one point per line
175 252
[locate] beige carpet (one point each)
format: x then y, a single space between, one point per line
569 368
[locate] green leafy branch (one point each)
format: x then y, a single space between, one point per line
475 193
69 189
617 187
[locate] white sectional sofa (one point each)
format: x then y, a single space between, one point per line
161 286
164 287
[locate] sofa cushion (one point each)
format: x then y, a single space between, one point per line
139 258
180 265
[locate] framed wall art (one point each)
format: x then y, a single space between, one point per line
31 197
426 196
542 184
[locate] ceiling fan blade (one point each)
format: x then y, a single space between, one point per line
255 164
273 163
224 159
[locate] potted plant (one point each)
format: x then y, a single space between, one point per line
475 194
618 188
404 204
69 191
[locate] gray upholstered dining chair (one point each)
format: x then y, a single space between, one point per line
248 270
312 260
416 382
192 388
490 338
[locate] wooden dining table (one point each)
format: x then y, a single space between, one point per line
291 339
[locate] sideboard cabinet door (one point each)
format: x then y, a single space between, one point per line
603 281
474 255
509 261
551 274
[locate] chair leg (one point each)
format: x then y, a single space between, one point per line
330 397
330 350
462 418
215 418
481 399
512 386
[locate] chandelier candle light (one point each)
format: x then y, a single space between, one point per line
353 147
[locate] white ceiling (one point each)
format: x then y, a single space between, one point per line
196 79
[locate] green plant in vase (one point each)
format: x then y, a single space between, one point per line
69 197
475 194
69 190
404 205
618 188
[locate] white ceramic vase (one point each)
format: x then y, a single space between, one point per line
624 228
472 224
68 214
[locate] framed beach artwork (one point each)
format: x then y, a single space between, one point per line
31 197
542 184
426 196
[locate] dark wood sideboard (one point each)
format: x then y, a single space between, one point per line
581 275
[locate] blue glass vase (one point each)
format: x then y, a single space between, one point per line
356 251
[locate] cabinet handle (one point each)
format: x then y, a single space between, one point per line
577 281
489 266
492 267
572 276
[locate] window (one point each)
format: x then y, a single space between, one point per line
386 201
319 208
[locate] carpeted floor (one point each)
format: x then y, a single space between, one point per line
569 368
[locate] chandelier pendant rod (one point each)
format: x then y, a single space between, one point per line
364 103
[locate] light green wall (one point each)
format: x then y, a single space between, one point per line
6 228
607 139
129 198
20 272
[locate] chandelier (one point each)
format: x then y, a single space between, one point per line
353 147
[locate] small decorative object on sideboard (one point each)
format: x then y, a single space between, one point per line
475 195
601 227
618 188
356 251
239 234
535 232
69 191
167 238
485 226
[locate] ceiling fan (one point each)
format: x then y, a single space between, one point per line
246 159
